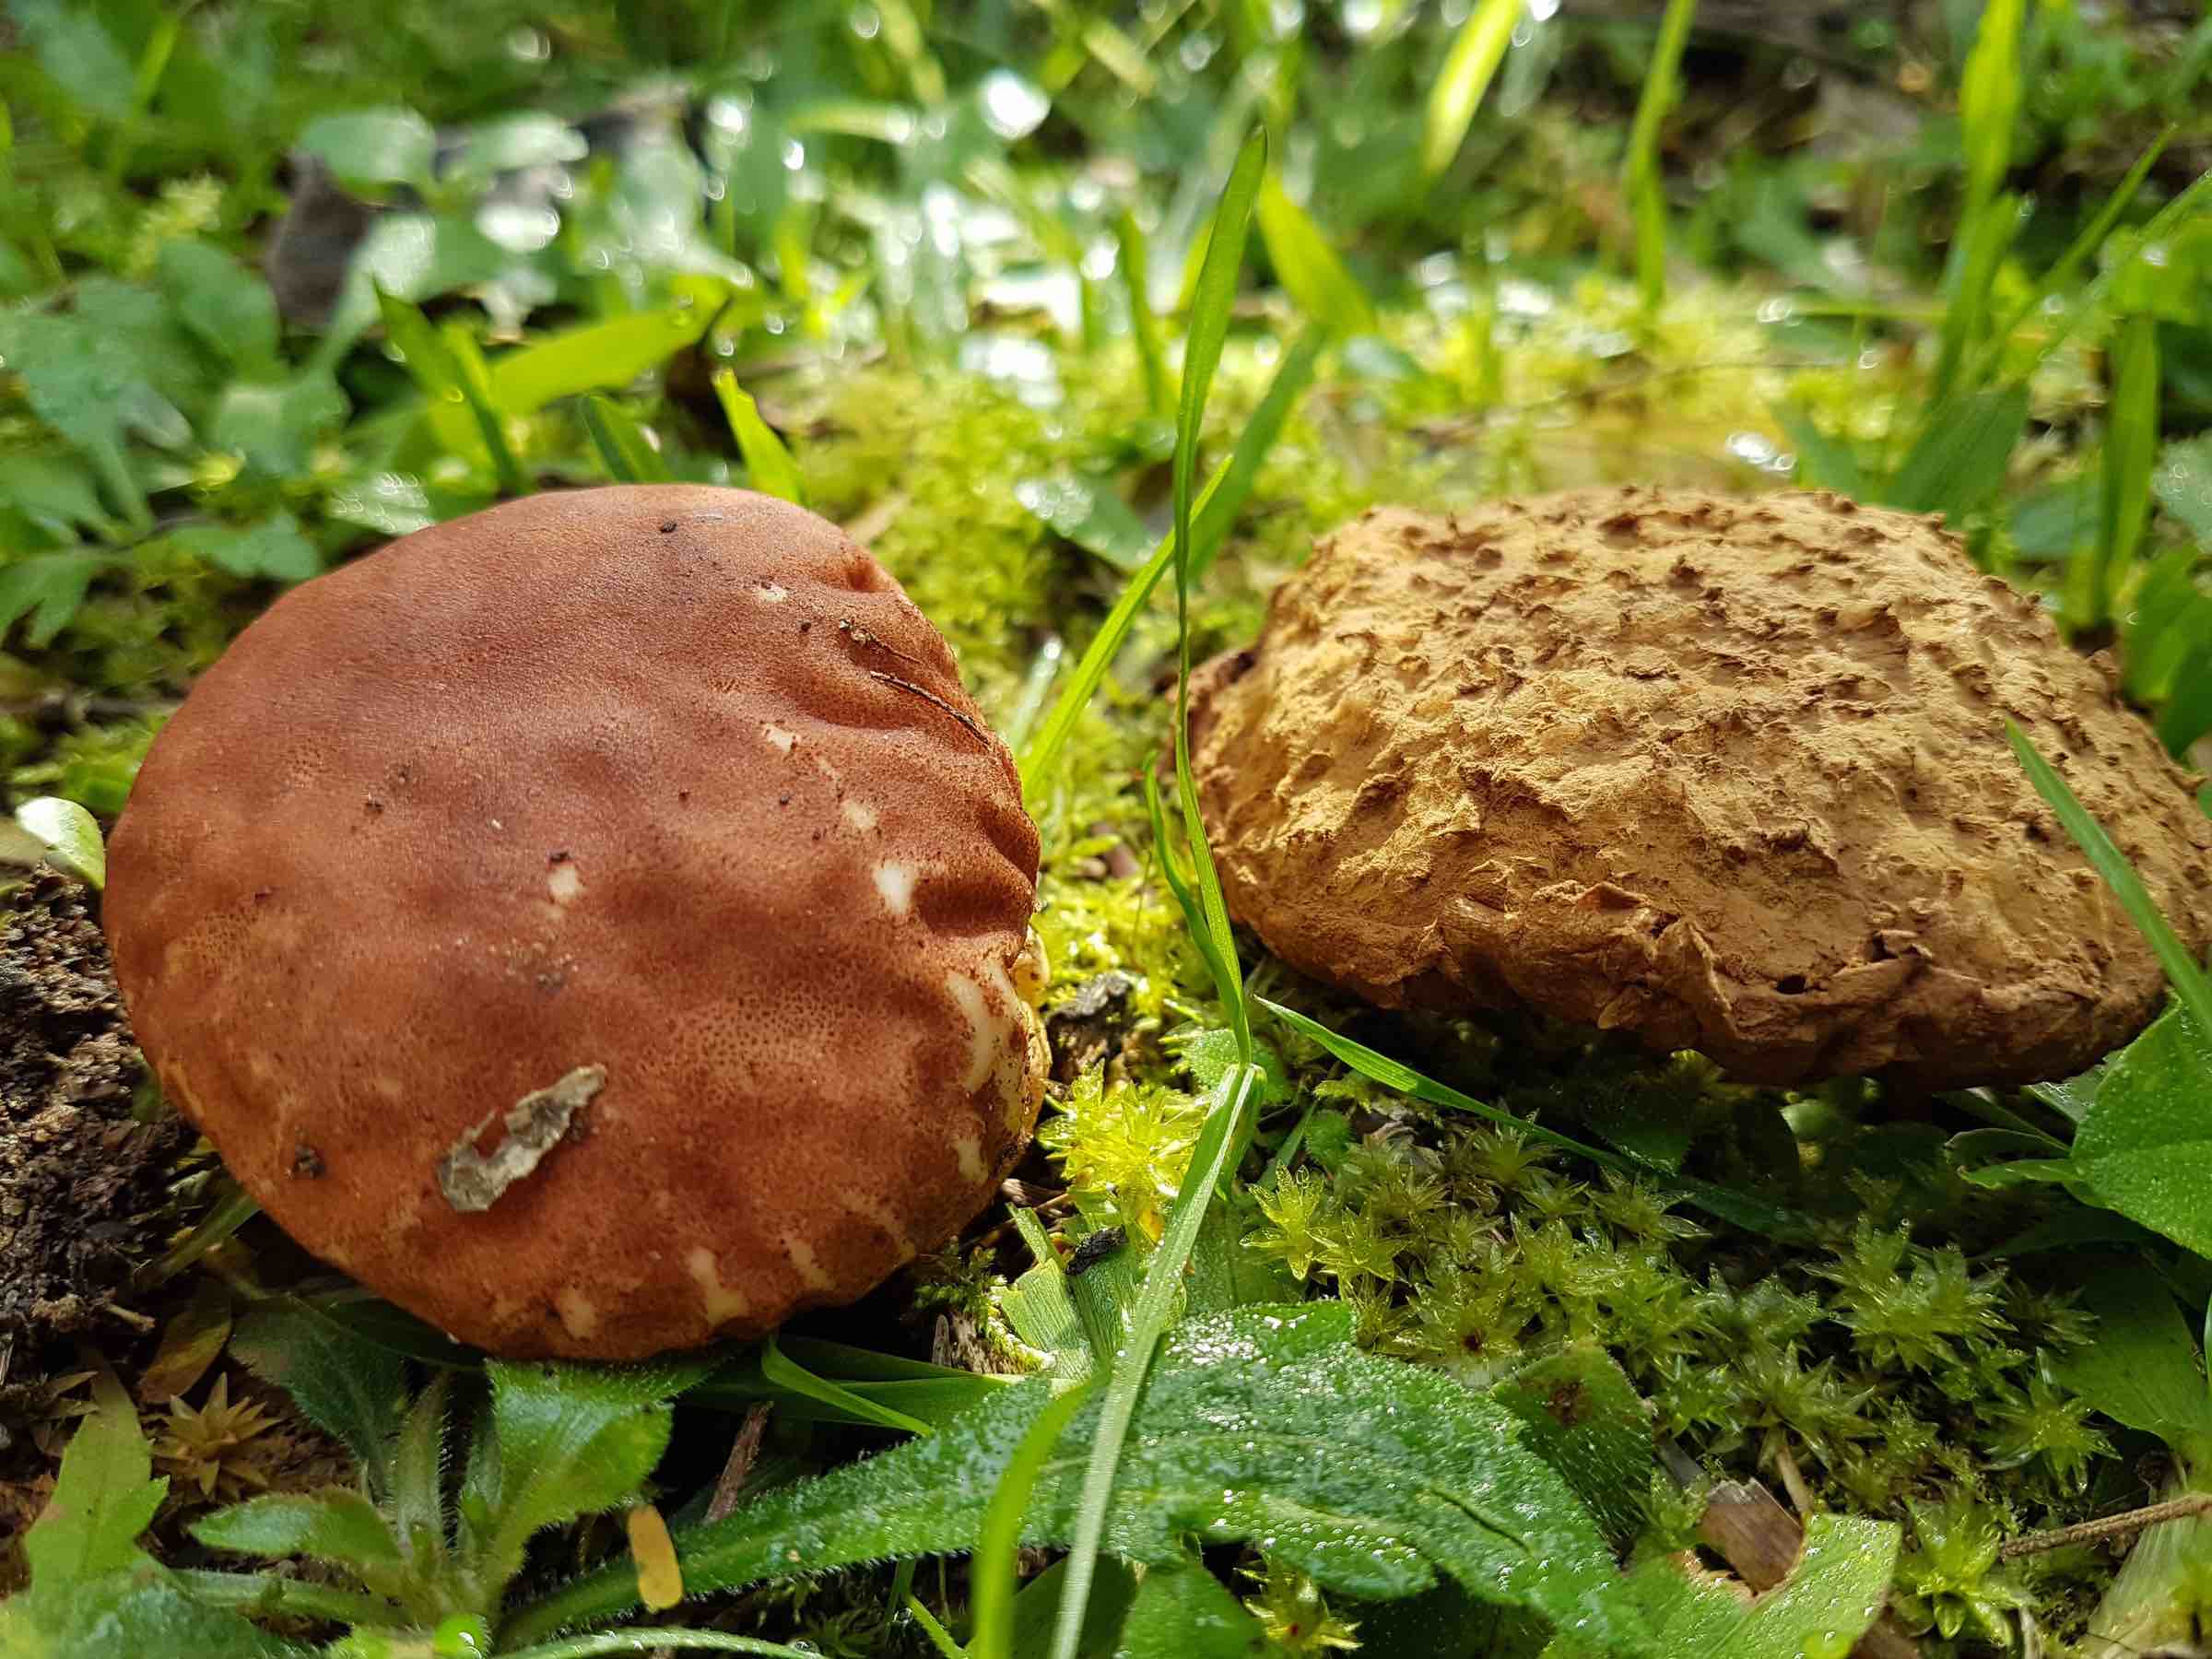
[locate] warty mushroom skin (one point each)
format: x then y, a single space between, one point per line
598 924
1723 773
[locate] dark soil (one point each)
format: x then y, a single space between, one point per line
85 1184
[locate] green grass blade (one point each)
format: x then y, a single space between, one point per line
2190 983
768 465
1135 264
1215 510
2077 253
939 1637
1163 1281
1989 103
2131 446
1960 457
620 442
1212 298
474 380
1470 66
992 1570
646 1640
1307 265
1645 182
1978 256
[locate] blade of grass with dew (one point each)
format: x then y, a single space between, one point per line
1470 66
939 1637
620 442
1754 1215
998 1545
431 366
768 465
1307 265
1144 323
1976 260
1647 197
2077 253
2190 983
474 380
2131 446
1163 1274
1217 509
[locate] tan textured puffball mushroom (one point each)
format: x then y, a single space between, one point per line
1725 775
598 924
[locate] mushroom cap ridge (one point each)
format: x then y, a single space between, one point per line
1724 774
668 781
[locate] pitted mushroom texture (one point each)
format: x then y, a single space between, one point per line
598 924
1727 774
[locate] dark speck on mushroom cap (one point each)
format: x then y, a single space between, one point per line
564 785
1723 773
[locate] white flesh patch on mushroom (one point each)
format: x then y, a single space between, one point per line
564 881
861 816
983 1046
970 1150
803 1258
772 593
780 738
576 1313
724 1304
896 883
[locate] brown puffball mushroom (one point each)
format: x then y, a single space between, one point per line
598 924
1724 775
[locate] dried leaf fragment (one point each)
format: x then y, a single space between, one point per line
473 1181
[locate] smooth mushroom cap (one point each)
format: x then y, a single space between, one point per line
595 923
1726 774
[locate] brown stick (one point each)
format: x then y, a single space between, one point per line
2112 1526
744 1451
1761 1541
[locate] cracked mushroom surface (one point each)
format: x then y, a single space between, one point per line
599 925
1724 774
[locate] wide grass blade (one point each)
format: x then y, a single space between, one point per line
438 371
1470 66
1647 196
1960 458
1307 265
1989 103
768 465
1213 296
2190 983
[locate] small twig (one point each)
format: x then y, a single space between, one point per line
2112 1526
745 1450
1792 1480
926 695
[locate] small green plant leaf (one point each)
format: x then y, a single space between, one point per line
348 1386
2183 482
62 832
2142 1368
572 1440
339 1527
624 449
1585 1418
49 589
227 306
1228 1442
1134 260
2146 1147
1182 1611
1087 512
1989 102
103 1498
2130 443
768 465
1307 265
273 550
1469 65
1830 1599
368 149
